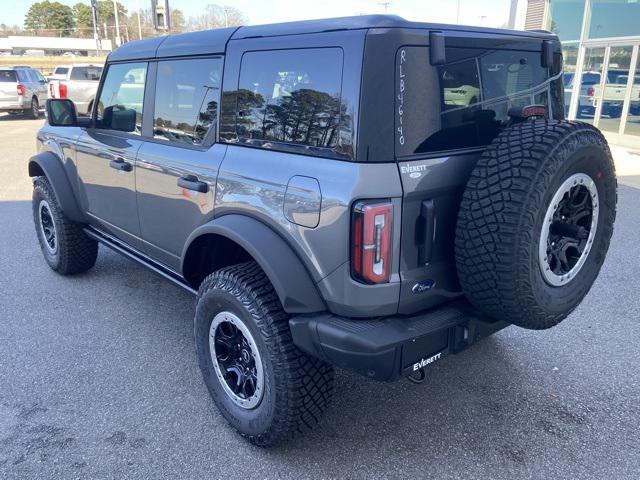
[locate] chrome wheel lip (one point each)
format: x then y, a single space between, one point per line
50 241
256 398
576 180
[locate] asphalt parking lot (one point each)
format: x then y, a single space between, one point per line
98 379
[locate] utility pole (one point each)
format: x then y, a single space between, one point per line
139 23
94 19
458 12
115 14
385 5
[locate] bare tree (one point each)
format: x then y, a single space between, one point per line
216 16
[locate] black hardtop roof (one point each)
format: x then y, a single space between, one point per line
215 41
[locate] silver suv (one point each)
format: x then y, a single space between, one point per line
22 90
352 192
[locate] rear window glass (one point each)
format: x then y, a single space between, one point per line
291 97
475 90
7 76
86 73
61 71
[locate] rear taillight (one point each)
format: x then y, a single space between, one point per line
52 90
62 90
371 241
21 89
590 92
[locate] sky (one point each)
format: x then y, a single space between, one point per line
491 13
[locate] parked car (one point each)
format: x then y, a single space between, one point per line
22 90
614 93
78 82
313 187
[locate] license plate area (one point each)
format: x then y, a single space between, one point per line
423 351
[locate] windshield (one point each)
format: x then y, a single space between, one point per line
86 73
7 76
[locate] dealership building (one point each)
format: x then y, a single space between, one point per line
600 43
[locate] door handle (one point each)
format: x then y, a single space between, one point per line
120 164
191 182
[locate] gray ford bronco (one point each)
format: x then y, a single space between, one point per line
368 193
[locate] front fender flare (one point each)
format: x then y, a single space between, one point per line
288 275
49 163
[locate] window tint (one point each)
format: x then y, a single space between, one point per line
187 95
61 71
121 98
476 89
86 73
8 76
292 97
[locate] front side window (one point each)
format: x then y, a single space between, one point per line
186 103
475 90
291 97
86 73
121 98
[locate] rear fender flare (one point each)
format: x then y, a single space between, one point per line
288 275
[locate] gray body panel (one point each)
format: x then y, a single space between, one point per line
168 213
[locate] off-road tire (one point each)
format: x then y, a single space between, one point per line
502 211
76 252
34 110
297 388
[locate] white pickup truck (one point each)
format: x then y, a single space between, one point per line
78 82
615 91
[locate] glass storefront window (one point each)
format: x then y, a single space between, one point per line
633 117
615 88
565 18
613 18
569 59
591 77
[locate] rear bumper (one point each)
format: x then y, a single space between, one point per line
391 347
8 105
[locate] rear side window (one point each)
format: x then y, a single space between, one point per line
8 76
464 103
186 103
86 73
22 76
121 98
291 97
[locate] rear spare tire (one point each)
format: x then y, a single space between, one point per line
535 221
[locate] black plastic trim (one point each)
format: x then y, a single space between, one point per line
388 348
291 280
54 170
124 249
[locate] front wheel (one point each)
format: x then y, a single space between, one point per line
263 385
65 246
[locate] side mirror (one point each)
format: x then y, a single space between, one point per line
61 112
117 117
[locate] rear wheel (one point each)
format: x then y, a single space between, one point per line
263 385
535 221
34 109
